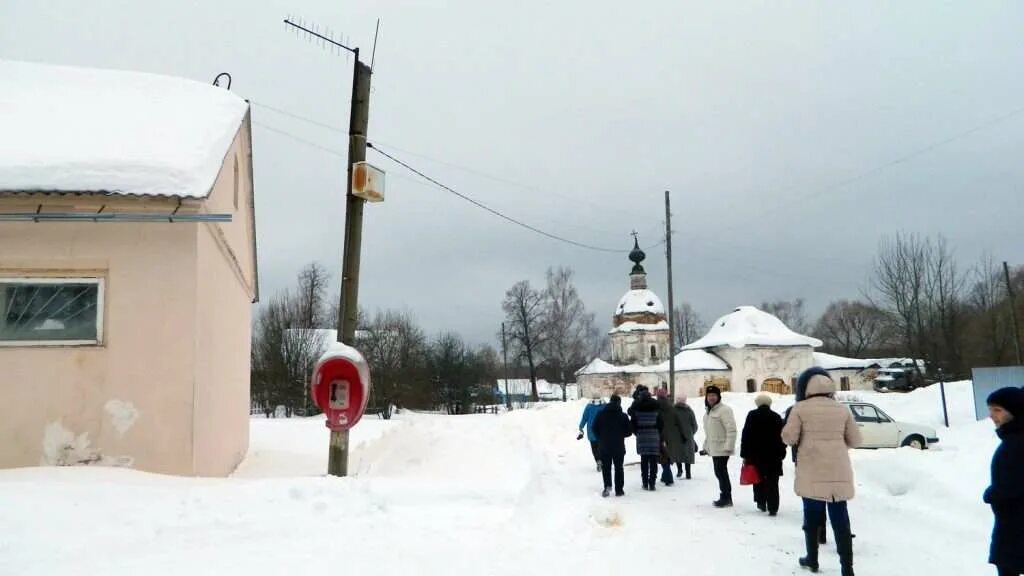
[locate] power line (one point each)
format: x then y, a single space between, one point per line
492 210
865 174
301 140
301 118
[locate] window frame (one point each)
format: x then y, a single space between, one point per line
101 286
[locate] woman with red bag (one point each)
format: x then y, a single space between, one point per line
763 451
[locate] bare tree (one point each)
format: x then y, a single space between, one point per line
311 296
525 311
396 350
689 325
989 329
569 328
851 328
899 288
790 312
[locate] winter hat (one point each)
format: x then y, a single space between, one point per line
1010 398
615 399
820 385
805 378
763 400
681 398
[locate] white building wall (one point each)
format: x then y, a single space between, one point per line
687 383
635 347
761 363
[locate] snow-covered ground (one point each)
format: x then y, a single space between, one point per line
509 494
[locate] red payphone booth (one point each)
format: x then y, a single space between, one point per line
341 386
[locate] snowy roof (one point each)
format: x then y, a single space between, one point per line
522 386
686 361
638 327
833 362
639 301
748 326
68 129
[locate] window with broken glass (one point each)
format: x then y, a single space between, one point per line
51 311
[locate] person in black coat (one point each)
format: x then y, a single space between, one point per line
761 445
1006 494
647 425
612 427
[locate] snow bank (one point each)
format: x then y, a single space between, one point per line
518 488
69 129
748 326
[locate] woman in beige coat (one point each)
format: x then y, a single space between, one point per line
823 431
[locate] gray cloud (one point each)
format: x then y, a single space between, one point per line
759 117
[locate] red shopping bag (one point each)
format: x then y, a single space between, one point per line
749 475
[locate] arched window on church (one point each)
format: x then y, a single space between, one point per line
654 352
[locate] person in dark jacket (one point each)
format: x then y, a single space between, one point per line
647 426
761 446
672 432
612 427
689 449
1006 494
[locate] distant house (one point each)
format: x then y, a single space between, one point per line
127 270
520 390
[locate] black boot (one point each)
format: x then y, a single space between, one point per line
810 561
679 470
822 534
844 545
688 477
723 502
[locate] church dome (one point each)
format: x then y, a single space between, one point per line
638 302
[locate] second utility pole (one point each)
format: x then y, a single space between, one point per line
671 304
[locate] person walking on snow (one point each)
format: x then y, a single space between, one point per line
647 426
800 393
589 413
761 446
1006 493
689 449
612 427
824 431
672 432
719 441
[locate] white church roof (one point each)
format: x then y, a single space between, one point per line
639 301
68 129
686 361
748 326
638 327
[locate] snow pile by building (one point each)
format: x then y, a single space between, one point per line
68 129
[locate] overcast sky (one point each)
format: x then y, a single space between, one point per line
793 136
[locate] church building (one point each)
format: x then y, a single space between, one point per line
747 350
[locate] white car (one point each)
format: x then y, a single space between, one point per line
881 431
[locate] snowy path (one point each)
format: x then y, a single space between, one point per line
512 494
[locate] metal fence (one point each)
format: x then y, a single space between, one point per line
988 380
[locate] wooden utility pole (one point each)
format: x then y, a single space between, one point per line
348 309
1013 313
671 303
337 462
504 353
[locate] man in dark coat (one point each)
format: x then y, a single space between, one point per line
689 449
612 427
1006 494
761 446
672 432
647 426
